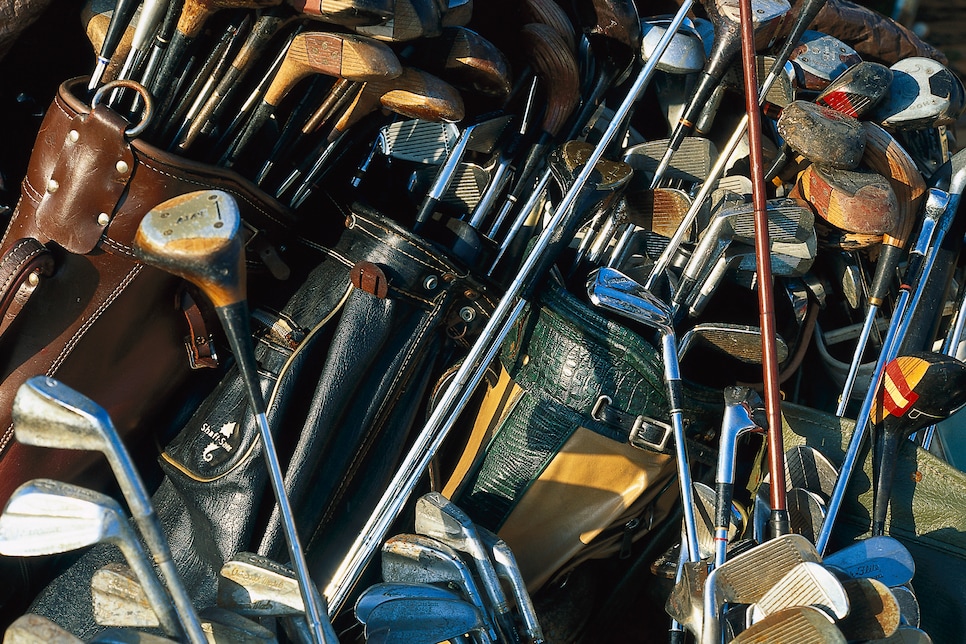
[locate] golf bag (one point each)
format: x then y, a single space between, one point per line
570 455
344 370
77 305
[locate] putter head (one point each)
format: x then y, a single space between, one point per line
613 291
252 585
858 89
196 236
46 517
48 413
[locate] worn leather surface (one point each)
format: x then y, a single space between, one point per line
343 372
927 514
102 322
527 448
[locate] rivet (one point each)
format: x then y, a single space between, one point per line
430 283
52 186
122 167
467 313
33 279
103 219
73 135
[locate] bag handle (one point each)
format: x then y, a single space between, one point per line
21 270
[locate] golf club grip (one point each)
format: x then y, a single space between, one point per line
234 318
886 448
724 492
120 19
885 269
702 92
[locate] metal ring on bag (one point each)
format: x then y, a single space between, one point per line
146 114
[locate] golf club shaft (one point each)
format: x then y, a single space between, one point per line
472 369
776 452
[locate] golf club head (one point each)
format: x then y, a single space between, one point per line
31 628
685 53
226 626
704 509
882 558
909 609
348 13
858 89
923 93
412 620
809 469
555 66
820 58
256 586
660 210
550 13
417 140
380 593
414 94
690 165
806 584
806 512
822 135
611 290
905 635
873 610
466 60
48 413
196 237
118 599
917 390
46 517
800 624
857 201
741 341
509 570
411 20
613 28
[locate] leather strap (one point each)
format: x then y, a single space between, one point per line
198 342
21 271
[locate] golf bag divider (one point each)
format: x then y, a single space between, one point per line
97 319
345 366
570 455
927 514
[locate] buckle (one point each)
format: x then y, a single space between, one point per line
642 432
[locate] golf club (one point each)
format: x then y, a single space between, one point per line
882 558
873 610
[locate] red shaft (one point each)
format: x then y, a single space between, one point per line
766 300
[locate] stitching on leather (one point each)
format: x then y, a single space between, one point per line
93 318
143 160
439 266
119 247
16 272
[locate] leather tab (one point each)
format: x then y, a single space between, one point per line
26 258
91 172
370 278
198 342
642 432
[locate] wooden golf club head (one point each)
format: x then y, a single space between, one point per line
923 93
466 60
196 237
550 13
411 20
917 390
348 13
857 201
613 28
822 135
858 89
557 68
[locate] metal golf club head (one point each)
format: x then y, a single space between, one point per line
809 469
225 626
873 610
923 93
882 558
118 599
383 592
806 512
439 518
704 509
414 620
909 610
660 210
37 629
800 624
823 135
820 58
690 165
747 577
741 341
420 559
418 140
508 569
806 584
44 517
685 53
917 390
611 290
858 89
857 201
252 585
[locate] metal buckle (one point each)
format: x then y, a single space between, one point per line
638 441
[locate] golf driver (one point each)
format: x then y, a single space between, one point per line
412 620
197 237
